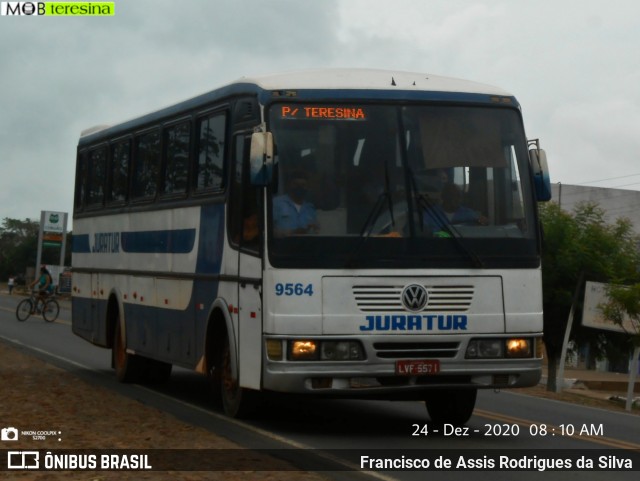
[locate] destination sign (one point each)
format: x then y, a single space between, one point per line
321 112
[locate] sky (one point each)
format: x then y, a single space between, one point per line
574 66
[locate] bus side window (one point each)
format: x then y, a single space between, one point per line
209 168
146 165
97 168
119 175
176 153
81 180
244 222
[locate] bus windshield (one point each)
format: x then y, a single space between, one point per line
384 186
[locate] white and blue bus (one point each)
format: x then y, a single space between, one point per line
342 233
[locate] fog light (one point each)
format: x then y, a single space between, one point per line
274 349
501 380
304 350
518 348
321 383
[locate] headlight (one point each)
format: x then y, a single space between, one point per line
485 349
304 350
341 351
314 350
519 348
500 348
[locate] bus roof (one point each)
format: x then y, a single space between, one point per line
344 83
363 79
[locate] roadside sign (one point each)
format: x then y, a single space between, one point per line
596 295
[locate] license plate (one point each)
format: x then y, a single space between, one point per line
418 368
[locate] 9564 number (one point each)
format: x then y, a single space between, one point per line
294 289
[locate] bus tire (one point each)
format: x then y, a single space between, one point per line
451 406
129 367
237 402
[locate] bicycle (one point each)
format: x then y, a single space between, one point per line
48 307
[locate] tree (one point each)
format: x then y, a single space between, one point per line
18 245
581 246
624 301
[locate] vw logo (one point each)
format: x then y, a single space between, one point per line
414 297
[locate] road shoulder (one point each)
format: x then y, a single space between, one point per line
38 396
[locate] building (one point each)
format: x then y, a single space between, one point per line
617 203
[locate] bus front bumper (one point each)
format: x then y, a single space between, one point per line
381 380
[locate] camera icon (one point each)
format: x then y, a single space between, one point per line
9 434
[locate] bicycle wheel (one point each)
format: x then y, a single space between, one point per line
50 310
24 309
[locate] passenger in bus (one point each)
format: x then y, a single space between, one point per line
292 213
250 228
451 211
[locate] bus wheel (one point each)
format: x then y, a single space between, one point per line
129 367
237 402
451 406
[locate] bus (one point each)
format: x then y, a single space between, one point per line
340 233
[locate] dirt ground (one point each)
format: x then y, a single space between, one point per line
33 393
575 396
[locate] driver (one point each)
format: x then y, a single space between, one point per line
451 211
292 213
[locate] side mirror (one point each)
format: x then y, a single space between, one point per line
261 158
541 180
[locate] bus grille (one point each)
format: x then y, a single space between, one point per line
388 298
423 350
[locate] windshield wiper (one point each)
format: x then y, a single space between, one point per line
368 226
373 216
377 208
426 205
425 202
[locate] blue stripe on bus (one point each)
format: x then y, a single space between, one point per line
211 240
179 241
80 244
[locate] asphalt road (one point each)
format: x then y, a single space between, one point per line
341 431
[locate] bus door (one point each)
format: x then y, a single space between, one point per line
246 232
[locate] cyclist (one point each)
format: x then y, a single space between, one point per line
45 284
